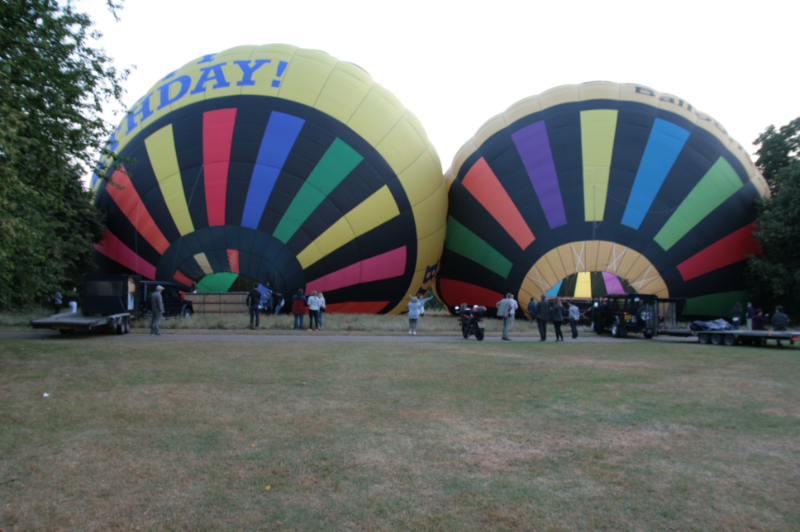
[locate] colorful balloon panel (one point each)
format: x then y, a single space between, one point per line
279 165
596 189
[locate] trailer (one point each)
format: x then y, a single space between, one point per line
734 337
109 304
651 316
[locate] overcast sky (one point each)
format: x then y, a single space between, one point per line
457 64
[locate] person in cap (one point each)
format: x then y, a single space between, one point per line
505 309
157 304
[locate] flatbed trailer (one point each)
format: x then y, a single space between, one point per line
66 323
733 337
109 304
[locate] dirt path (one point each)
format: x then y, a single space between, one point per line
170 336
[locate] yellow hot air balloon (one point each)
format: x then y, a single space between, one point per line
281 164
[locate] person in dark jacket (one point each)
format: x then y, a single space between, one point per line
298 309
532 309
780 321
57 301
253 298
750 313
736 315
557 315
542 315
759 320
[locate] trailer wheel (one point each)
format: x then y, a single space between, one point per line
730 340
648 335
126 323
703 338
716 339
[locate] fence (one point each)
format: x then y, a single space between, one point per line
219 302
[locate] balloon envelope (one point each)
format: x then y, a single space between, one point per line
600 188
276 164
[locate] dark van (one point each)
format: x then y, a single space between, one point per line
174 303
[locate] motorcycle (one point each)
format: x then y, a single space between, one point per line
471 320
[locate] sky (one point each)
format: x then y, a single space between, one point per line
455 64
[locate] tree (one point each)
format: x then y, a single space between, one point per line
774 276
54 85
777 149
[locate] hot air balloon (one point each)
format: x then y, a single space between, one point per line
596 189
280 164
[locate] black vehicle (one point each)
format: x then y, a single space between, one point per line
625 313
471 320
174 302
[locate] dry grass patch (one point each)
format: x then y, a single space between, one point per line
363 436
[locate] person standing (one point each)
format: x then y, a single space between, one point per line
759 320
321 308
532 310
266 299
298 309
253 297
780 321
736 315
505 309
750 313
57 301
313 311
557 314
157 306
574 316
73 301
542 315
414 310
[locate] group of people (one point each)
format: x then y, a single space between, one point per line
542 312
72 301
262 301
314 304
756 319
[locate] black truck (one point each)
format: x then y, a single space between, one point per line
645 314
175 304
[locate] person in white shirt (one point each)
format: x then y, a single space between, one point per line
321 308
313 311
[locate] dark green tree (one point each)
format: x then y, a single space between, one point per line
774 276
54 85
777 149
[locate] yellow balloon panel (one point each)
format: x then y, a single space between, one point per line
296 146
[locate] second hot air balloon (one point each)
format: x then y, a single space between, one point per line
597 189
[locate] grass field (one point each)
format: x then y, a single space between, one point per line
149 435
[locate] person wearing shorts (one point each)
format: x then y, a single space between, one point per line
414 307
